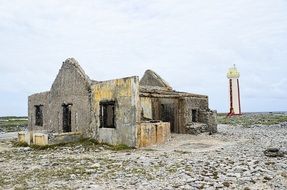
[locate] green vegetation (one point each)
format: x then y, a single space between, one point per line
86 143
12 123
247 120
149 150
19 144
120 147
181 151
92 142
44 175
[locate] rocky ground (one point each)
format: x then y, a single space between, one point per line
231 159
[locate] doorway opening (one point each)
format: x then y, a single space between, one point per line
39 115
167 115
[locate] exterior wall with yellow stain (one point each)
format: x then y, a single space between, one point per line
146 107
125 93
153 133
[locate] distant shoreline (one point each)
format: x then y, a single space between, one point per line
250 113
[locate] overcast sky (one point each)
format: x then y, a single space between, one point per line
190 43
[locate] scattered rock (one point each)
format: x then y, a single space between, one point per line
238 164
196 128
226 183
273 152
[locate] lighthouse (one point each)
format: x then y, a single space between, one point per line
234 93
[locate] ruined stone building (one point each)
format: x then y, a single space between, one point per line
121 111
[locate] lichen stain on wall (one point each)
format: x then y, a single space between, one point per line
108 90
123 92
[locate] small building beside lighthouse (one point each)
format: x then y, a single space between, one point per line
234 92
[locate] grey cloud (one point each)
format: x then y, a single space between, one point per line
189 43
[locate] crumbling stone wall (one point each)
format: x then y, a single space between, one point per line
72 87
181 109
200 104
204 114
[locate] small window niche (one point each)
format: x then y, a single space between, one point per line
107 114
39 115
194 115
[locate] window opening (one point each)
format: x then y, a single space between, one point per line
194 115
39 115
67 127
107 114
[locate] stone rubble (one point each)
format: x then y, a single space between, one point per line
274 152
231 159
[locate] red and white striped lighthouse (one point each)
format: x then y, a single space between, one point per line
234 92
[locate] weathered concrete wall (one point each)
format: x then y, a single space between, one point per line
45 138
71 86
152 133
146 107
64 137
125 93
34 100
192 103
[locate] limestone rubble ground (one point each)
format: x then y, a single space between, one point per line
231 159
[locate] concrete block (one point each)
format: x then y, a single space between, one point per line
153 133
64 137
40 139
147 135
24 137
163 132
21 137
